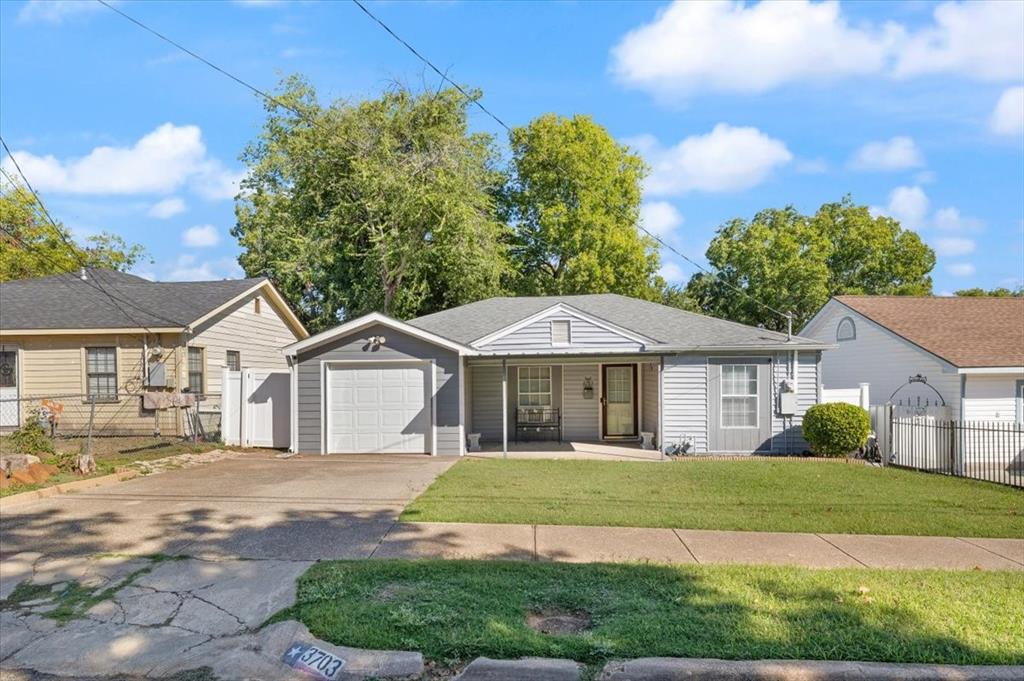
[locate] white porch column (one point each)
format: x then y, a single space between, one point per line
504 408
661 406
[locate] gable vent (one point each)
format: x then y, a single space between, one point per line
560 332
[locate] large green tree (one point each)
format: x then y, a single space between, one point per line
30 246
794 262
998 292
385 204
573 201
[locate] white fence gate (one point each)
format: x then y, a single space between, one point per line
256 408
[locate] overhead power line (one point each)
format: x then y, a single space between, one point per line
474 100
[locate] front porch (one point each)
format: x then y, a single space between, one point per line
598 451
564 407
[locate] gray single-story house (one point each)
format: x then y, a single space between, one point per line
582 368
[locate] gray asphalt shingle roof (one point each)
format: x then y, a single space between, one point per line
64 301
667 325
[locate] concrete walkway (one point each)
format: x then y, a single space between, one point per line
627 544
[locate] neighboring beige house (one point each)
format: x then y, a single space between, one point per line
969 350
127 344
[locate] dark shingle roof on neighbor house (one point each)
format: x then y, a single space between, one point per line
666 325
965 331
65 301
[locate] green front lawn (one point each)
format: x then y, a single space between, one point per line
783 496
455 610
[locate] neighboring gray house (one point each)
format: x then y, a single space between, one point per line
587 368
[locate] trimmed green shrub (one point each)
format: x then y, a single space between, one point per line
836 429
31 438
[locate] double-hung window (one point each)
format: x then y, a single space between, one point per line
234 360
534 386
195 370
101 373
739 396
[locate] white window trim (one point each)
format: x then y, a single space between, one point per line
550 393
116 397
568 332
756 396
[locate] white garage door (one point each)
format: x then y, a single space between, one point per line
378 408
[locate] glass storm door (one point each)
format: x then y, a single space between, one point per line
619 400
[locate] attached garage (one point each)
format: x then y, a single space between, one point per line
376 385
378 407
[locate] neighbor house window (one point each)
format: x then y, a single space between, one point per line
846 330
101 373
534 386
234 360
739 396
195 370
560 332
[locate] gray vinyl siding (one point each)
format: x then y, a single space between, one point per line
685 385
788 433
741 440
649 398
583 334
580 416
485 405
398 346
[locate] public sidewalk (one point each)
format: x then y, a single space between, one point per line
625 544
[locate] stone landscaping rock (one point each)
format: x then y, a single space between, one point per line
526 669
14 462
23 477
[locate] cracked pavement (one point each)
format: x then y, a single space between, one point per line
248 527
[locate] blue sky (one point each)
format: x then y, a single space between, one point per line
914 108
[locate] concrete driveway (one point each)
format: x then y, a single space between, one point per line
255 506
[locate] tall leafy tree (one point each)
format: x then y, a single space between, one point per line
794 262
573 203
998 292
30 246
385 204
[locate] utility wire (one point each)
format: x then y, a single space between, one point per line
444 76
500 122
73 247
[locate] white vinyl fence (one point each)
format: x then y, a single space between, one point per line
255 407
858 397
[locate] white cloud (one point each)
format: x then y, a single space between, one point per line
188 268
811 166
200 236
729 46
660 217
1008 116
912 207
898 153
732 46
55 11
161 162
725 159
909 205
166 208
954 245
978 40
672 272
960 269
950 220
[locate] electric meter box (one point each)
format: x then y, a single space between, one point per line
787 403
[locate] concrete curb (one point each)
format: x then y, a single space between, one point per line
680 669
65 488
525 669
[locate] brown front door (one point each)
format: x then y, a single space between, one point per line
619 400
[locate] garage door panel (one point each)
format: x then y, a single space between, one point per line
384 408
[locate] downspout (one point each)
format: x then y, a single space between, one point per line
504 408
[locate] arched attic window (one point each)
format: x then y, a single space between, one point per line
847 330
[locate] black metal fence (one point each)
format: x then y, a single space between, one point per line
982 450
